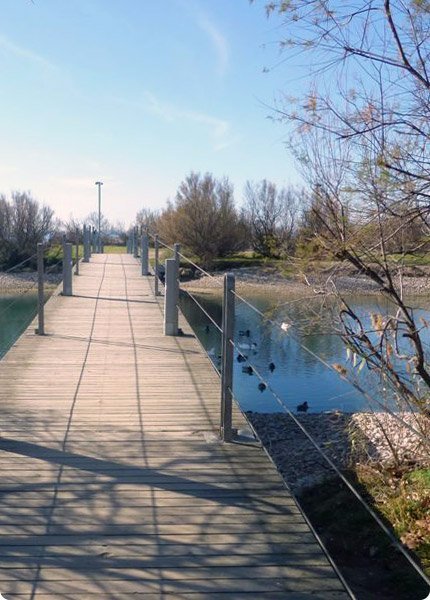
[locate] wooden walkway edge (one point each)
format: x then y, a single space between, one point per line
113 483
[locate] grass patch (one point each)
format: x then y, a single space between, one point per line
411 259
403 498
371 565
55 253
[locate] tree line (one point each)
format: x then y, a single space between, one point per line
206 220
25 222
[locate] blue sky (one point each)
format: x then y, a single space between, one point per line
137 93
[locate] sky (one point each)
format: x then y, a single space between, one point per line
137 93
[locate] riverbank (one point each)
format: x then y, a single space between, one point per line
343 278
399 492
17 283
347 439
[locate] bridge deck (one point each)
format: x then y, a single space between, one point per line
112 482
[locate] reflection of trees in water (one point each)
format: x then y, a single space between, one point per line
15 319
315 326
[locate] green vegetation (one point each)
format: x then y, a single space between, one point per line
55 252
403 497
362 551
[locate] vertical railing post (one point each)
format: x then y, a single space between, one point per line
156 266
77 252
171 299
87 248
40 291
144 258
135 244
67 270
177 249
228 309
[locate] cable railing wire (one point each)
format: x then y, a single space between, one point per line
320 359
203 310
358 387
311 439
19 264
332 464
206 273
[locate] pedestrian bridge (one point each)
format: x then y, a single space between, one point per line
114 482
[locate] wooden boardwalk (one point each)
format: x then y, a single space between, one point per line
112 481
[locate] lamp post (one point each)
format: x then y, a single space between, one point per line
99 184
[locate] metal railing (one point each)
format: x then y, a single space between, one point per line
228 346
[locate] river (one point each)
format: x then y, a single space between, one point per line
298 374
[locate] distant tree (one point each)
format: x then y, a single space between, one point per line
93 221
147 218
272 217
23 224
203 218
70 227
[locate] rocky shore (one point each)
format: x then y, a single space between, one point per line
345 438
344 279
16 283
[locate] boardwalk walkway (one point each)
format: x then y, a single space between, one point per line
112 481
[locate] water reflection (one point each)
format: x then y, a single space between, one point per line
16 313
298 376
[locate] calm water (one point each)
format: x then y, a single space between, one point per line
298 376
16 313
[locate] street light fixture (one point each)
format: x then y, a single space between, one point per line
99 184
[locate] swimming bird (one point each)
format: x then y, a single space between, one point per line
272 367
241 358
262 386
248 370
245 346
285 326
244 332
303 407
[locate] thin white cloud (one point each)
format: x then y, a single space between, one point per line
219 42
207 25
219 130
7 45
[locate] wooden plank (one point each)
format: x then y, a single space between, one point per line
113 481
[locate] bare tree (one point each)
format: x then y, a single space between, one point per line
147 218
72 227
272 217
93 221
369 95
203 218
23 223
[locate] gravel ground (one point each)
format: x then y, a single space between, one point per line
16 283
344 280
345 438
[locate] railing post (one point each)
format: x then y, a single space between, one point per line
156 266
87 248
135 244
144 254
67 270
40 291
177 249
77 252
171 299
228 308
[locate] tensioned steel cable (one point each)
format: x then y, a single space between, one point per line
333 466
304 430
203 310
291 324
355 384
